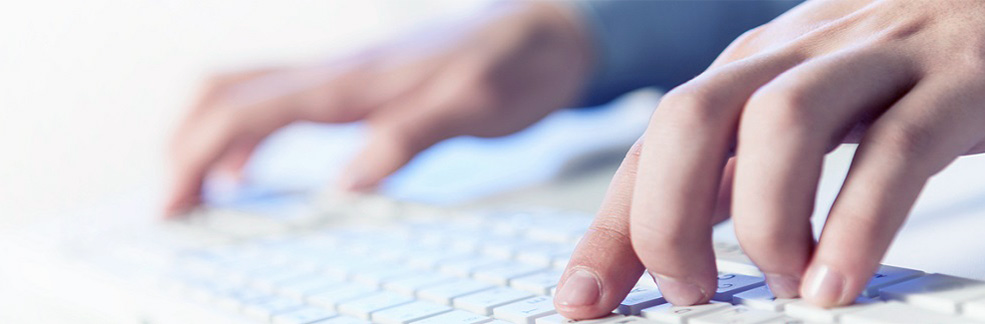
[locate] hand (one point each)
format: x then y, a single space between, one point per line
904 79
497 74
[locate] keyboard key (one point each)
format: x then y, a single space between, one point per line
484 301
304 287
640 297
364 306
526 311
631 320
680 314
303 315
501 274
409 312
886 276
735 315
787 320
466 267
730 284
332 297
544 255
344 320
444 293
268 308
558 319
456 317
236 299
761 298
730 258
896 312
539 283
803 309
936 292
412 284
380 276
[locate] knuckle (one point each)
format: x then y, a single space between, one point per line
903 139
776 113
687 107
605 231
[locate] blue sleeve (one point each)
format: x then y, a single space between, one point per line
663 42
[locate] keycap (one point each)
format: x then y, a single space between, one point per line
680 314
332 297
886 276
730 258
526 310
896 312
344 320
631 320
412 284
788 320
466 267
266 309
304 287
735 315
761 298
409 312
558 319
380 276
640 297
501 274
445 292
937 292
303 315
544 255
235 299
730 284
483 302
455 317
539 283
803 309
364 306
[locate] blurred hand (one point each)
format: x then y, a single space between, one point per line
492 76
904 79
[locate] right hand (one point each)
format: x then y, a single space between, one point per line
491 76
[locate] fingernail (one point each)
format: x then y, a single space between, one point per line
582 288
825 286
679 292
783 286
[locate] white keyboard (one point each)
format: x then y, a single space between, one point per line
392 263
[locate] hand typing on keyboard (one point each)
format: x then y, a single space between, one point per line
489 76
896 77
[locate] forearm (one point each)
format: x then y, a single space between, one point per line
662 43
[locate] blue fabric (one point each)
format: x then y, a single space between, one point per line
663 42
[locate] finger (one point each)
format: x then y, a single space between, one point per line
723 204
603 267
208 139
233 162
216 86
688 143
786 129
900 151
404 129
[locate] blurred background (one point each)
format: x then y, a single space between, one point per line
90 90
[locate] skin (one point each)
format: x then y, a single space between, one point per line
492 75
745 139
904 79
